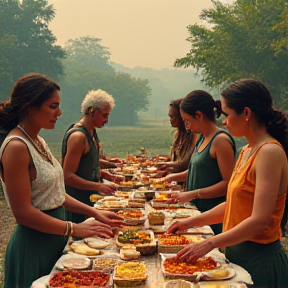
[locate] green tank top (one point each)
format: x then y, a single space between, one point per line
203 171
89 165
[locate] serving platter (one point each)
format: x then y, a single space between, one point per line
220 269
89 279
73 261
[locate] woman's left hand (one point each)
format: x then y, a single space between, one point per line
110 218
192 252
182 197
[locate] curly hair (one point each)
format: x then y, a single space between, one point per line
96 99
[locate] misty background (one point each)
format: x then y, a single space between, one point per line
144 53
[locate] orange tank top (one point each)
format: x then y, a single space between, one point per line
240 197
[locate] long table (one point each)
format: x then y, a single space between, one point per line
153 263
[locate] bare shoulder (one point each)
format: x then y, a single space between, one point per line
16 149
77 137
222 139
272 151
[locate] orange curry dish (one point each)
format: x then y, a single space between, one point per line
202 264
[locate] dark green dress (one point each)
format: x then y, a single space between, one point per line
88 169
31 254
203 171
266 263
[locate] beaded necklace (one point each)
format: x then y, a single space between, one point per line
36 143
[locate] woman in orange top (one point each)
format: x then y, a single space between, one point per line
256 192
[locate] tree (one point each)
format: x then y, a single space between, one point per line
87 68
27 45
239 40
87 52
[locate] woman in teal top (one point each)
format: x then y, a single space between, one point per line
213 160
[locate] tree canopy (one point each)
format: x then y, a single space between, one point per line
245 39
87 68
26 43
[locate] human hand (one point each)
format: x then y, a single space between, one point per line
177 227
92 227
192 252
161 166
106 189
110 218
169 178
182 197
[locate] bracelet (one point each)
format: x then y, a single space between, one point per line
71 231
198 196
66 230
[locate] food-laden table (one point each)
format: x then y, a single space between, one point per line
153 263
158 203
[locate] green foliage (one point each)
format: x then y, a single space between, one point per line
166 85
244 39
27 45
87 68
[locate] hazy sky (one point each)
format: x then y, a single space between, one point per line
148 33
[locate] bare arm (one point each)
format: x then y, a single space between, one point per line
76 145
271 182
16 161
179 177
222 151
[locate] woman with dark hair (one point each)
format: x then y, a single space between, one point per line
33 184
256 192
183 143
213 160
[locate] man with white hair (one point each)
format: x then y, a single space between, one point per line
81 151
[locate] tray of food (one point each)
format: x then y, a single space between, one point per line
136 203
80 279
170 243
130 274
123 194
144 241
73 261
133 216
206 268
219 284
165 205
111 203
156 217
